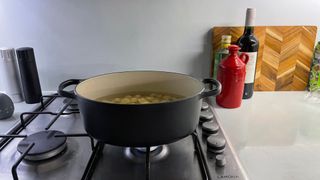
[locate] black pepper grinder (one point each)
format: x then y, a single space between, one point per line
29 75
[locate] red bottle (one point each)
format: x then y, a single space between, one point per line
231 74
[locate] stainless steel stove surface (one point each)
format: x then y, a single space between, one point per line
83 158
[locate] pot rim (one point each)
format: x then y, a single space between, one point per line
178 100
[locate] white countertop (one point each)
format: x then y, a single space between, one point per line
276 135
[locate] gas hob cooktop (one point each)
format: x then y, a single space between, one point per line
51 143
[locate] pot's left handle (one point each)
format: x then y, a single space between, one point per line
216 88
63 85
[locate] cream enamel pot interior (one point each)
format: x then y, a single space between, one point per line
140 125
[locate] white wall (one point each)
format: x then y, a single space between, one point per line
80 38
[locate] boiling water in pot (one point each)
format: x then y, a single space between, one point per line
140 98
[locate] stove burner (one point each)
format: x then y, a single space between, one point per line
72 107
144 150
46 145
139 154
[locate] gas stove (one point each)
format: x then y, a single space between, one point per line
51 143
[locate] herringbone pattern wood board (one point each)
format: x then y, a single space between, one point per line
284 56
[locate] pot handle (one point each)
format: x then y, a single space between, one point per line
212 92
64 84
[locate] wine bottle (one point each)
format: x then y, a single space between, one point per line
249 44
221 53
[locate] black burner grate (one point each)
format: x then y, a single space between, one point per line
97 153
30 148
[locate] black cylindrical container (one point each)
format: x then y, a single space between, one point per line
29 75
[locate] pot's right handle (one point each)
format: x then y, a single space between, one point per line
64 84
212 92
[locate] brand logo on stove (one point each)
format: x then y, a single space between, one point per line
227 176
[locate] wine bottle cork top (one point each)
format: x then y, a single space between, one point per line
250 16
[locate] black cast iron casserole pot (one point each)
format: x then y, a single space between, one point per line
140 125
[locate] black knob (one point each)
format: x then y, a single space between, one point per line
221 160
216 144
204 106
206 116
209 128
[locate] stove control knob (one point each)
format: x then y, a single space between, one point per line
216 144
209 128
206 116
221 160
204 106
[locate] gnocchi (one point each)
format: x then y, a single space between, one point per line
140 98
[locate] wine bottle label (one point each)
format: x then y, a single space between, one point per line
250 67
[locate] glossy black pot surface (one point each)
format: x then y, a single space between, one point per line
140 125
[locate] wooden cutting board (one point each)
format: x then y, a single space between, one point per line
284 57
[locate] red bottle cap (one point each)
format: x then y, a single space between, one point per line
234 48
233 62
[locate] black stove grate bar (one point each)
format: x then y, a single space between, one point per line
47 96
59 114
78 135
64 135
200 154
94 158
148 163
16 164
22 115
19 127
97 152
13 136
